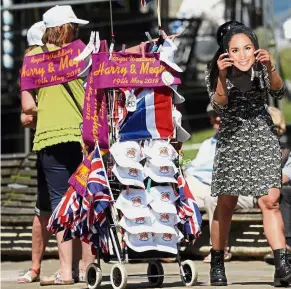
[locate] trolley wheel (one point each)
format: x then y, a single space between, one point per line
191 274
93 276
118 276
155 268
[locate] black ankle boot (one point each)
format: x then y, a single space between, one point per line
217 271
282 275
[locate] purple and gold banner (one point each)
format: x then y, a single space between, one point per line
95 124
128 70
51 68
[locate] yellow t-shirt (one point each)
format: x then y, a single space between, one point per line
58 117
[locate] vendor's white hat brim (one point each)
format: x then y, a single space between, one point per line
163 174
127 154
166 242
140 242
181 134
164 222
167 54
133 203
129 176
178 98
137 225
160 149
158 161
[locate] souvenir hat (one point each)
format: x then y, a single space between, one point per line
140 242
163 199
168 79
35 34
133 203
137 225
167 54
181 134
167 242
164 222
160 150
129 176
60 15
127 154
160 174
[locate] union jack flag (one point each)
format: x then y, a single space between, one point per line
190 208
84 217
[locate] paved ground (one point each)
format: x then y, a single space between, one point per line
243 275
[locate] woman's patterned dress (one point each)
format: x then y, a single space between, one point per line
248 156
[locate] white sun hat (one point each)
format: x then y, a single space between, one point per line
164 222
167 54
133 203
161 174
140 242
168 79
137 225
127 154
129 176
167 242
160 151
181 134
35 34
163 199
60 15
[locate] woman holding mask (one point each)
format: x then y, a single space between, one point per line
58 136
248 156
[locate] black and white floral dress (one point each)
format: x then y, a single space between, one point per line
248 156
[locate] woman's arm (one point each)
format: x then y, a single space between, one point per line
220 96
28 103
28 120
274 82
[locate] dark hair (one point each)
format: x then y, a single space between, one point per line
224 34
224 28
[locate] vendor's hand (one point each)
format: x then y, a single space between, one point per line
223 63
264 57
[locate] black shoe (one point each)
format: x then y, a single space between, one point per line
269 258
282 275
217 270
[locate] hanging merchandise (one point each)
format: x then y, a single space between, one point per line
129 176
127 154
160 152
83 216
95 123
160 174
144 208
140 242
164 198
52 68
137 225
152 118
133 203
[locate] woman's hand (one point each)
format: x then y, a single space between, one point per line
264 57
223 63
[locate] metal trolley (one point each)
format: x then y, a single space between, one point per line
120 254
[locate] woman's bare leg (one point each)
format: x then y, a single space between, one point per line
272 219
221 221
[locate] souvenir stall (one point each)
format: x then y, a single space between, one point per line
128 198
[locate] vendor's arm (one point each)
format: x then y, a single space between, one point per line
28 103
28 120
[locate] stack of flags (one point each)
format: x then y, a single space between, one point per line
83 215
